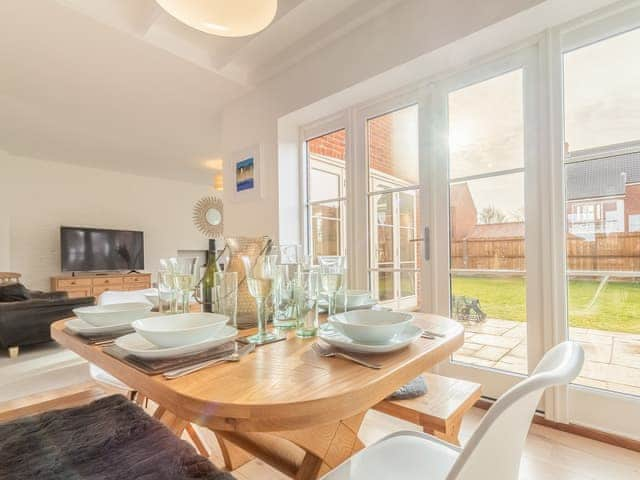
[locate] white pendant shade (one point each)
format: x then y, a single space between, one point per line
227 18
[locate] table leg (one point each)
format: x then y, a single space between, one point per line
234 457
174 423
317 450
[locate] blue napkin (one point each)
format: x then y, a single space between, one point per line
415 388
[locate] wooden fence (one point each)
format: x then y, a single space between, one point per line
610 252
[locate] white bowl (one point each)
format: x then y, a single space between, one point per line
113 314
179 330
152 298
355 298
370 326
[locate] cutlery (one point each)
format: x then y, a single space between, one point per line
232 357
329 352
433 334
427 335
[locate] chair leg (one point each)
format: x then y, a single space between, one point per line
13 351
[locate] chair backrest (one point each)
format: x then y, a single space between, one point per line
495 448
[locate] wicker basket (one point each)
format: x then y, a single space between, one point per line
252 247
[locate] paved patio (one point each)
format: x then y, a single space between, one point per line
612 359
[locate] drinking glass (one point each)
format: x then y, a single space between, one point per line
306 296
289 257
259 278
166 292
184 278
284 315
225 295
331 278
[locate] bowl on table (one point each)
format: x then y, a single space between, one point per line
370 326
354 298
179 330
112 314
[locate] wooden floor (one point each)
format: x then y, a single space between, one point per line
549 454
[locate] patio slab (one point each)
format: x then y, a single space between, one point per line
612 359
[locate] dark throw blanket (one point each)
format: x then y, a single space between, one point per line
109 439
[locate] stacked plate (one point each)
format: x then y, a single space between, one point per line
106 319
354 300
170 336
370 331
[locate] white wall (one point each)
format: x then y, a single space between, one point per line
37 197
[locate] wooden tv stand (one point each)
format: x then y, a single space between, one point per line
94 285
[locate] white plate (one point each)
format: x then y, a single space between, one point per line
80 327
323 305
134 344
409 335
113 314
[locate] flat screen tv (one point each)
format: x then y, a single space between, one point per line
97 249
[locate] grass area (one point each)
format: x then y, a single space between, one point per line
616 309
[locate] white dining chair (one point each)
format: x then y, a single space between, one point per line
493 451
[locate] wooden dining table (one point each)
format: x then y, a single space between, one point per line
284 404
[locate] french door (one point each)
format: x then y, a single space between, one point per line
596 71
393 199
507 196
486 243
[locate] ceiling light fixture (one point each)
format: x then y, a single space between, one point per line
227 18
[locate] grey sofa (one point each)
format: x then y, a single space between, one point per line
28 321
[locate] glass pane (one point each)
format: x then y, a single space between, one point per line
326 228
324 185
326 210
384 209
384 243
385 286
407 248
393 149
603 210
487 231
327 166
408 284
408 213
602 101
486 131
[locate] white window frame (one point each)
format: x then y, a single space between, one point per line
576 403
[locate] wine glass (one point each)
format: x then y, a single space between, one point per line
184 278
331 278
260 278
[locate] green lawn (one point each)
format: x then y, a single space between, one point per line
617 307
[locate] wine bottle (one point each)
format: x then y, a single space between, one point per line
209 278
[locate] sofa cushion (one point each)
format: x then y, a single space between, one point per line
14 292
109 439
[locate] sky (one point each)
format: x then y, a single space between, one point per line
602 107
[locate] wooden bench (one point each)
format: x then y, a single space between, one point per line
440 411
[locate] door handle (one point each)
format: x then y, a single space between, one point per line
426 238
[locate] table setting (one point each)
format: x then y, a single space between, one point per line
301 375
290 290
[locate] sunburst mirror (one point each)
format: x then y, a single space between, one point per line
208 216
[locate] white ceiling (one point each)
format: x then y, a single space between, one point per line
120 84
